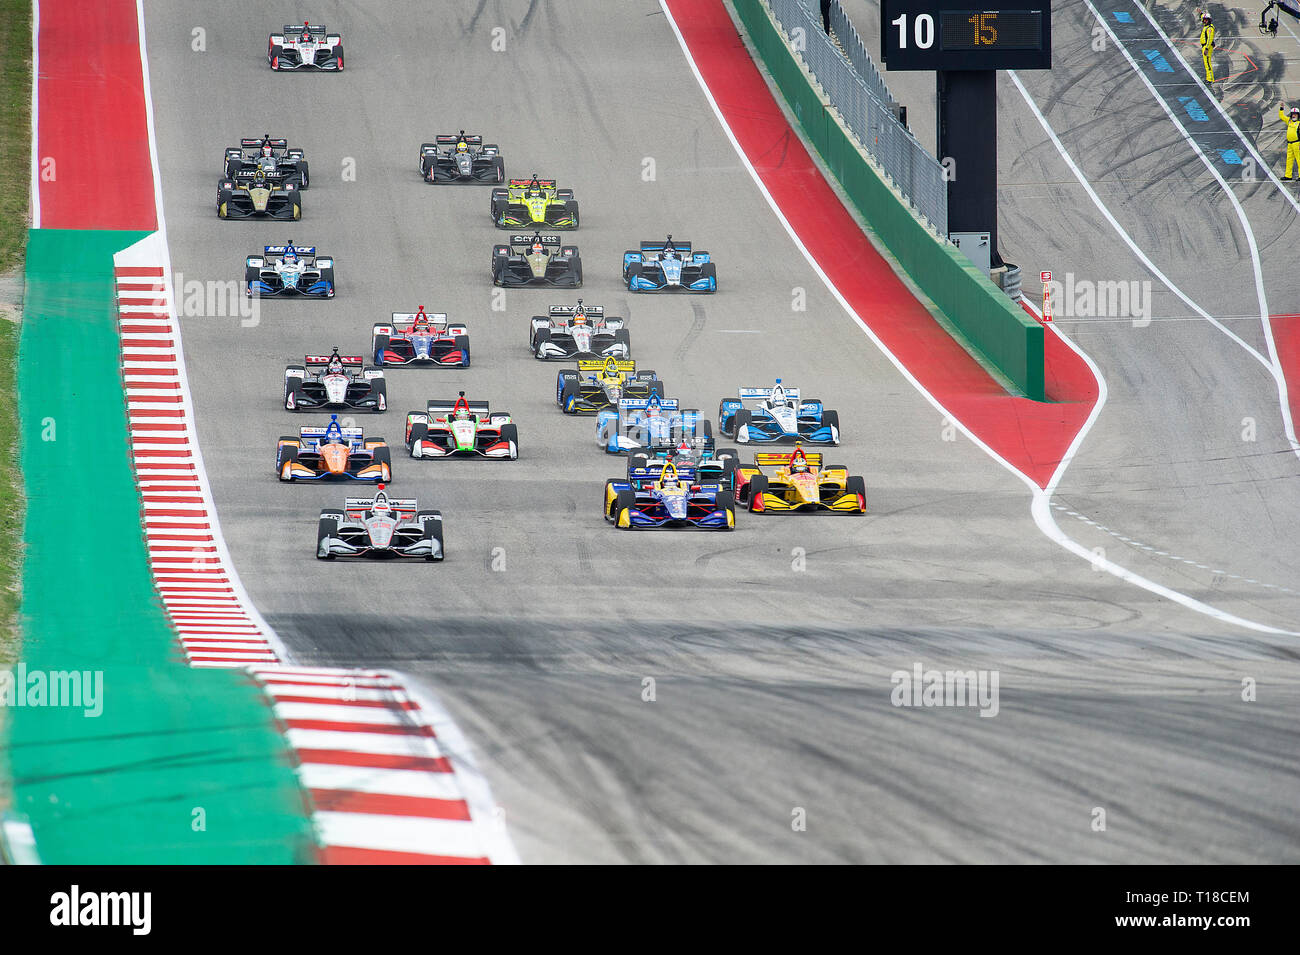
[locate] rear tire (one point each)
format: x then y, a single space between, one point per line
625 501
633 272
381 344
384 456
433 531
569 391
757 485
292 388
709 270
831 419
288 454
303 177
418 432
741 417
623 336
857 485
571 208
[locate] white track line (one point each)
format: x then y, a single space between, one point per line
36 142
1041 505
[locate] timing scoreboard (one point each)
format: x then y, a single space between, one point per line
953 35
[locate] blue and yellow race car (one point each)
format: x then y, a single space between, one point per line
661 495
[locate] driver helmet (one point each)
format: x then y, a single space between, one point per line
335 366
380 504
1205 17
421 319
538 247
306 33
1295 110
462 147
266 145
461 413
798 463
290 257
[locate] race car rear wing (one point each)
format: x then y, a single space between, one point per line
296 249
445 406
408 318
349 361
550 240
443 139
683 247
779 459
636 404
626 365
757 394
568 311
297 28
654 470
403 508
349 434
255 143
524 183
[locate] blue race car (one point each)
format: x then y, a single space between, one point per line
777 414
660 495
650 422
669 265
289 270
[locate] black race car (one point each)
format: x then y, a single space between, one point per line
461 158
536 260
272 156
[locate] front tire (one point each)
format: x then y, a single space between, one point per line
325 527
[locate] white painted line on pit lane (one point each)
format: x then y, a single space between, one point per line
1274 364
1200 83
1041 505
1133 246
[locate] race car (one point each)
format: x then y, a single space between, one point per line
253 193
379 527
534 203
648 423
777 414
799 482
289 270
536 260
661 265
461 428
272 156
710 465
461 158
660 495
597 385
333 453
305 47
578 331
420 339
334 381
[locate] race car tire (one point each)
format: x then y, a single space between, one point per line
540 335
609 502
425 159
274 54
338 52
499 165
462 345
415 434
571 209
325 527
638 459
710 271
623 337
499 268
727 501
251 275
706 427
741 417
292 387
327 275
656 388
625 501
286 455
380 388
647 374
577 272
569 390
498 208
857 485
433 531
757 485
831 419
381 345
510 432
631 273
383 456
303 176
728 454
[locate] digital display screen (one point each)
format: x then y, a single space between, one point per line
990 29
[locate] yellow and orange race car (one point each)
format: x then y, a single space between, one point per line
798 481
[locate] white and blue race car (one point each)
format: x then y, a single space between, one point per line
764 415
662 265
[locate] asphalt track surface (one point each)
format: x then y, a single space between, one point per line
772 684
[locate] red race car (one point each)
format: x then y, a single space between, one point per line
420 339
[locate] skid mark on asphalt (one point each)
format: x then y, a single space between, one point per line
692 333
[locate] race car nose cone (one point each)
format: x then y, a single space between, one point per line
335 457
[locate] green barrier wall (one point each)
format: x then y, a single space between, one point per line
183 765
992 324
